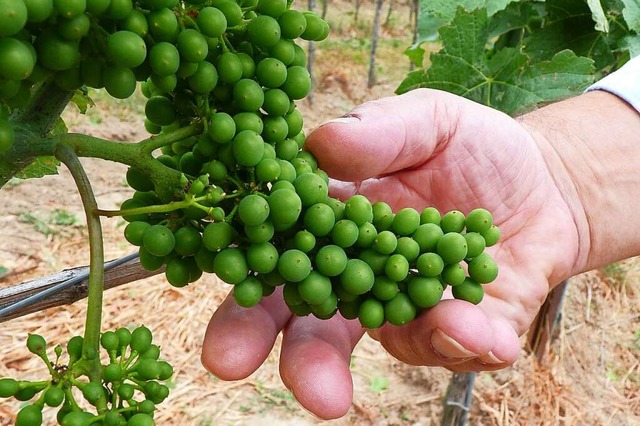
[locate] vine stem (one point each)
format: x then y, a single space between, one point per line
91 344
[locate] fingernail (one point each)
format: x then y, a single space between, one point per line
447 347
490 358
346 119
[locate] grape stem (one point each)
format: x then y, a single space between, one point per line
159 208
90 362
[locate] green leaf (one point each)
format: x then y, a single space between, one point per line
631 14
598 15
631 44
40 167
506 79
415 54
82 100
59 128
570 25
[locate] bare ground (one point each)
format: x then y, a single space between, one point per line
591 375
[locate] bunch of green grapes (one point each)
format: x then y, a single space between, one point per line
253 205
131 382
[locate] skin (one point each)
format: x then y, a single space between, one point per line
557 181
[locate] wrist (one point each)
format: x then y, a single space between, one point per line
591 146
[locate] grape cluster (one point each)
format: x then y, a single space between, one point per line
253 206
130 384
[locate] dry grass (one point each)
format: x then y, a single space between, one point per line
591 375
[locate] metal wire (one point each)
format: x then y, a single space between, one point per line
34 298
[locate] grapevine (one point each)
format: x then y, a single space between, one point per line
222 186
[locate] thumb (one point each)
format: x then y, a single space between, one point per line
384 136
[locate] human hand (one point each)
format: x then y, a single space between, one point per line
425 148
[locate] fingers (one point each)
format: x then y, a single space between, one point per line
314 363
238 340
375 139
453 334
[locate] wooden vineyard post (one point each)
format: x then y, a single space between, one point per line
457 401
374 44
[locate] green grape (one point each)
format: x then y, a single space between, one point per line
319 219
248 120
212 22
430 215
136 22
285 206
371 313
16 59
271 73
453 221
109 341
358 209
326 309
120 82
287 149
375 260
248 95
268 170
77 418
263 31
399 310
475 244
54 397
311 189
397 267
148 369
177 272
141 419
384 288
229 67
469 290
230 265
452 247
315 288
331 260
273 8
112 373
479 220
483 269
430 265
126 49
164 58
205 78
491 236
344 233
304 241
248 148
74 347
425 292
98 7
149 261
37 10
357 277
188 241
217 235
119 9
405 222
75 28
298 82
291 296
141 338
427 236
348 310
69 8
126 391
192 46
292 24
36 344
385 242
92 392
294 265
163 25
284 51
260 233
158 240
166 370
253 210
367 234
8 387
138 180
26 393
232 12
29 415
275 129
408 247
262 257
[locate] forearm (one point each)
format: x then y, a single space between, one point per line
591 144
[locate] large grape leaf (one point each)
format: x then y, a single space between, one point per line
505 80
570 24
631 13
